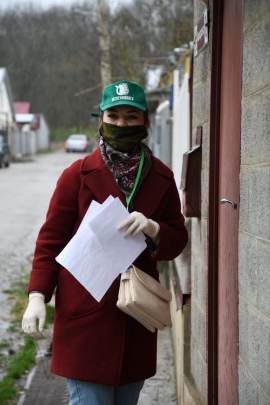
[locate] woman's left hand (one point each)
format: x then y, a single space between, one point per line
139 223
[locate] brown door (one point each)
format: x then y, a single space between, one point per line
228 213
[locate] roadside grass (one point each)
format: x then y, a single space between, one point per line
45 151
21 361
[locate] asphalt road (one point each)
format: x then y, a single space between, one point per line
25 190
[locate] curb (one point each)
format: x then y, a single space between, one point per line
43 387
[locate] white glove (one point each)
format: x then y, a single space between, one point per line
36 310
139 223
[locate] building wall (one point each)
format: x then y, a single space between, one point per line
160 141
178 344
254 220
254 232
4 99
5 107
199 254
43 135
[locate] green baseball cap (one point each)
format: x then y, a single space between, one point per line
123 93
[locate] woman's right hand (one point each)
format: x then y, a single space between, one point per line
36 310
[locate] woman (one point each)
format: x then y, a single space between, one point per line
105 354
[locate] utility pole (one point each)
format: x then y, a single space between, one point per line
104 44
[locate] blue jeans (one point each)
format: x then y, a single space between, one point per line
86 393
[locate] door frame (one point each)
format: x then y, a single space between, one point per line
215 93
213 217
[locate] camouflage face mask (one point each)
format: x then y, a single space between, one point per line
123 139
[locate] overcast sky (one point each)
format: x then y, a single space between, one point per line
4 4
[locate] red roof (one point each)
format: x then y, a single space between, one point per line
22 107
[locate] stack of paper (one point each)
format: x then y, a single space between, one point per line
99 252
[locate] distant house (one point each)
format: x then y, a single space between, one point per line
26 133
7 112
22 107
42 131
34 131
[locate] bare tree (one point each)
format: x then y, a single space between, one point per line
104 43
54 54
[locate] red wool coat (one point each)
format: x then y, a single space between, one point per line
95 341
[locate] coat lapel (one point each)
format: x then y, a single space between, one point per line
99 179
101 182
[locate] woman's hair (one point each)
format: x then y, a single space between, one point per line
146 117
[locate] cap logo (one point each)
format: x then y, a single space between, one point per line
122 89
123 92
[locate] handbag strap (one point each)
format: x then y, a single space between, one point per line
128 199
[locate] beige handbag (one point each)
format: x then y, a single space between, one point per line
145 299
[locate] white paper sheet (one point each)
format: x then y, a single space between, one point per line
98 252
121 250
93 210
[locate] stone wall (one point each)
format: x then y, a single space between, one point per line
254 232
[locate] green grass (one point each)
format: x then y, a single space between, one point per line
21 362
18 308
14 292
45 151
4 345
14 329
24 359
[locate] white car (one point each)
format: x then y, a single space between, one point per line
78 143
